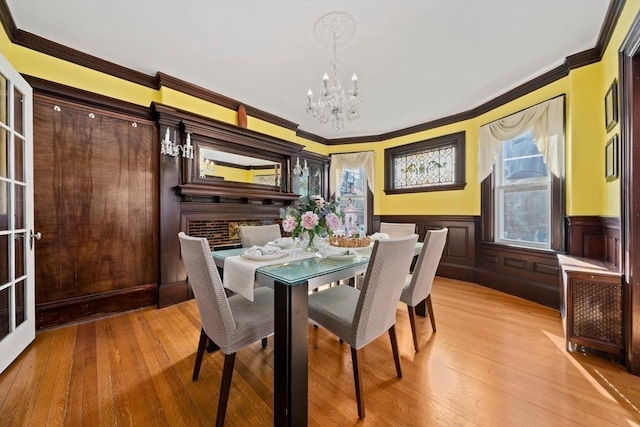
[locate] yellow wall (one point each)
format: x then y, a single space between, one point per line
587 192
585 148
233 174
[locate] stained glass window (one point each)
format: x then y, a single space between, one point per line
434 164
427 167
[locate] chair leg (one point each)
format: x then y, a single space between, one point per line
201 346
430 308
412 321
358 382
264 343
394 347
225 386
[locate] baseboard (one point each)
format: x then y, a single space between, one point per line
95 305
533 291
173 293
455 271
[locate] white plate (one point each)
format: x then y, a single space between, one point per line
341 257
266 257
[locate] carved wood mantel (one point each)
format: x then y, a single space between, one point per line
187 199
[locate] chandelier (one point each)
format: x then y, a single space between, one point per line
333 29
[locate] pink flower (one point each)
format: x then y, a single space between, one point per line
309 220
333 221
289 223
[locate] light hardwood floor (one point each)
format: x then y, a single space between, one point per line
496 360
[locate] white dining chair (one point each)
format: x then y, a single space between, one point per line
258 235
397 229
229 323
419 284
358 317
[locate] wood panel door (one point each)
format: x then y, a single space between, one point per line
96 202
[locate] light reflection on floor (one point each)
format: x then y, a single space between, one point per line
561 344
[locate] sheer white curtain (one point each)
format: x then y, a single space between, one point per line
546 122
350 161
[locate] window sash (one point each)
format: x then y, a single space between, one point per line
504 187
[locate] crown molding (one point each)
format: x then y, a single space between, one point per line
609 25
7 19
59 91
224 101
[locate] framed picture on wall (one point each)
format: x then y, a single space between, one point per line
611 106
611 159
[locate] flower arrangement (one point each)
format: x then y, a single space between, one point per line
312 215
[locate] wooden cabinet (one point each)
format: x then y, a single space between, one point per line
315 179
591 304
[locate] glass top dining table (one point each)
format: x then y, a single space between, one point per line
291 282
314 271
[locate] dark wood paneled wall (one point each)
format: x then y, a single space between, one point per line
96 206
458 258
527 273
594 237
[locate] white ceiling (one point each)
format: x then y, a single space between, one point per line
416 60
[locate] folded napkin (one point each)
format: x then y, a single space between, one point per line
379 236
262 252
283 242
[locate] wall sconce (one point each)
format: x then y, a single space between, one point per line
302 171
171 148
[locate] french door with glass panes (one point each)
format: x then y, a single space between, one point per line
17 272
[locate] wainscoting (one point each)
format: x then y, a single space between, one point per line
527 273
594 237
458 258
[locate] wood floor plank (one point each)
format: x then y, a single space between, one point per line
176 407
496 360
53 389
30 365
103 408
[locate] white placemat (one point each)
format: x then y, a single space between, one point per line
240 273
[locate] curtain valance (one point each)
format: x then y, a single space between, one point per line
351 161
546 122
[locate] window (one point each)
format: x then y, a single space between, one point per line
352 196
522 194
520 166
351 181
431 165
